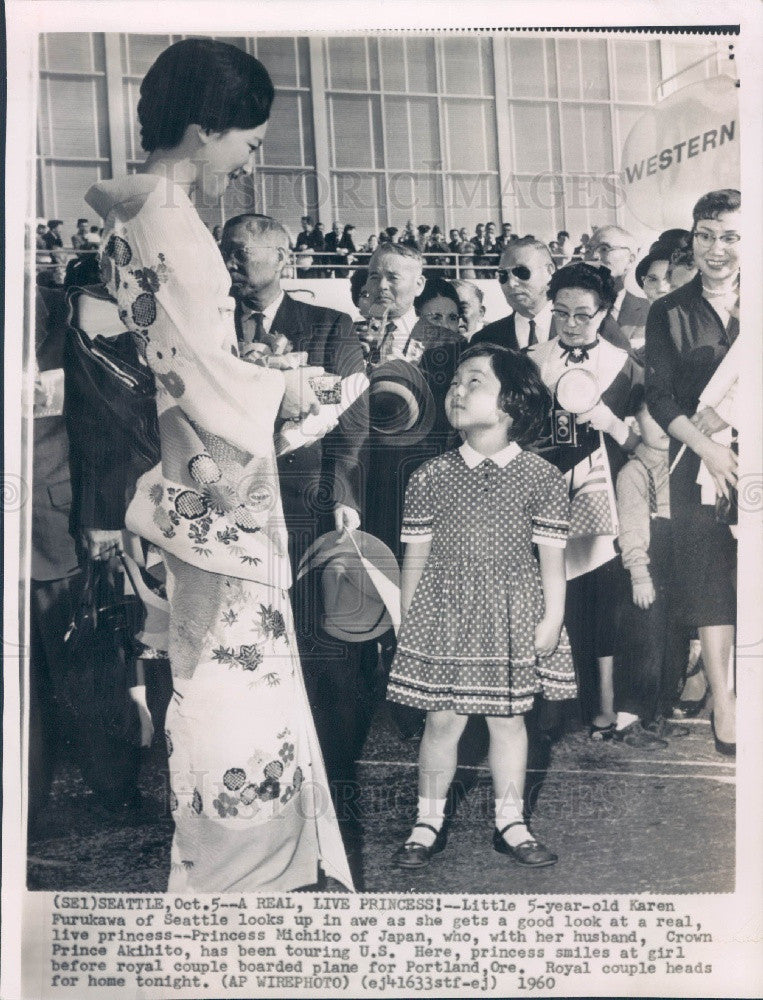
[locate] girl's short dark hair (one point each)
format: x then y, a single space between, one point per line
523 394
716 203
435 288
202 82
589 277
358 280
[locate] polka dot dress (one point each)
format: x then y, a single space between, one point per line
468 641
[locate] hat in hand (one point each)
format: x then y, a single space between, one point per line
357 581
401 404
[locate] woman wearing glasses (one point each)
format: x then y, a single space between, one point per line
688 333
248 789
581 294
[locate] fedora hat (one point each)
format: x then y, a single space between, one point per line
401 404
357 584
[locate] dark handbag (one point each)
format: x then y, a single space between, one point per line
102 650
105 382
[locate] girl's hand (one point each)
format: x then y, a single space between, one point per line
547 634
721 464
643 593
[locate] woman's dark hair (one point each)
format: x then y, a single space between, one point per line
358 281
589 277
716 203
202 82
663 249
435 288
523 395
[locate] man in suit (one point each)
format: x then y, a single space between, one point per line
618 250
322 484
524 271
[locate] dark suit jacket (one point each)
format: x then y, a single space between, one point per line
317 478
500 332
53 551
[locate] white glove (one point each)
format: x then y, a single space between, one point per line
601 418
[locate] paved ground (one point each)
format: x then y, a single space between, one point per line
621 821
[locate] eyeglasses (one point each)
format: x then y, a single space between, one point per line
520 271
577 319
707 239
608 248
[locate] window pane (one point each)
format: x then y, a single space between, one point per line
69 52
469 148
303 62
573 139
538 206
626 117
99 53
284 198
526 77
132 128
71 184
355 131
425 133
535 130
597 131
401 198
486 61
422 75
427 199
396 133
472 200
239 197
593 55
280 59
373 63
393 63
347 63
283 142
78 113
569 68
142 52
631 72
359 201
460 65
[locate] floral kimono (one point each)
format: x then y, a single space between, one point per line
249 794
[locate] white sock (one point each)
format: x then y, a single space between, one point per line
510 810
624 719
432 812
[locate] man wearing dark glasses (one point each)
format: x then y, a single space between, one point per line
524 272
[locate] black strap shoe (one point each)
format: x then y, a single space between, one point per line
414 856
530 853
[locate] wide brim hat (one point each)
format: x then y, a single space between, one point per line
402 407
357 585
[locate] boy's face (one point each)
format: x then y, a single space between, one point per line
651 433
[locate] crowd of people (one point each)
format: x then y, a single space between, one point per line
553 491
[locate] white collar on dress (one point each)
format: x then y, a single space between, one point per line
501 458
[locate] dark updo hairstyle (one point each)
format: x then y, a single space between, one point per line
358 280
523 395
435 288
589 277
669 242
716 203
202 82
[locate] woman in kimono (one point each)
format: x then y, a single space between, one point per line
248 789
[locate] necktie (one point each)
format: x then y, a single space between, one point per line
253 328
387 346
533 339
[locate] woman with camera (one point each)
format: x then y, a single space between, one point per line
688 334
248 789
593 387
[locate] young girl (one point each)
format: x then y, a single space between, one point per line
482 617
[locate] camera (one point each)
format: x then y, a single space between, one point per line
563 427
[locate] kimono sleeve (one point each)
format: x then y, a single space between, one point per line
419 508
164 275
549 507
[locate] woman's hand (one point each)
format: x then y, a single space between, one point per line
102 545
601 418
346 518
547 633
708 421
643 592
721 464
299 399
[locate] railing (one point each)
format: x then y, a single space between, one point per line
315 264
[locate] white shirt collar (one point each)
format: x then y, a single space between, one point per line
501 458
614 312
269 313
542 326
